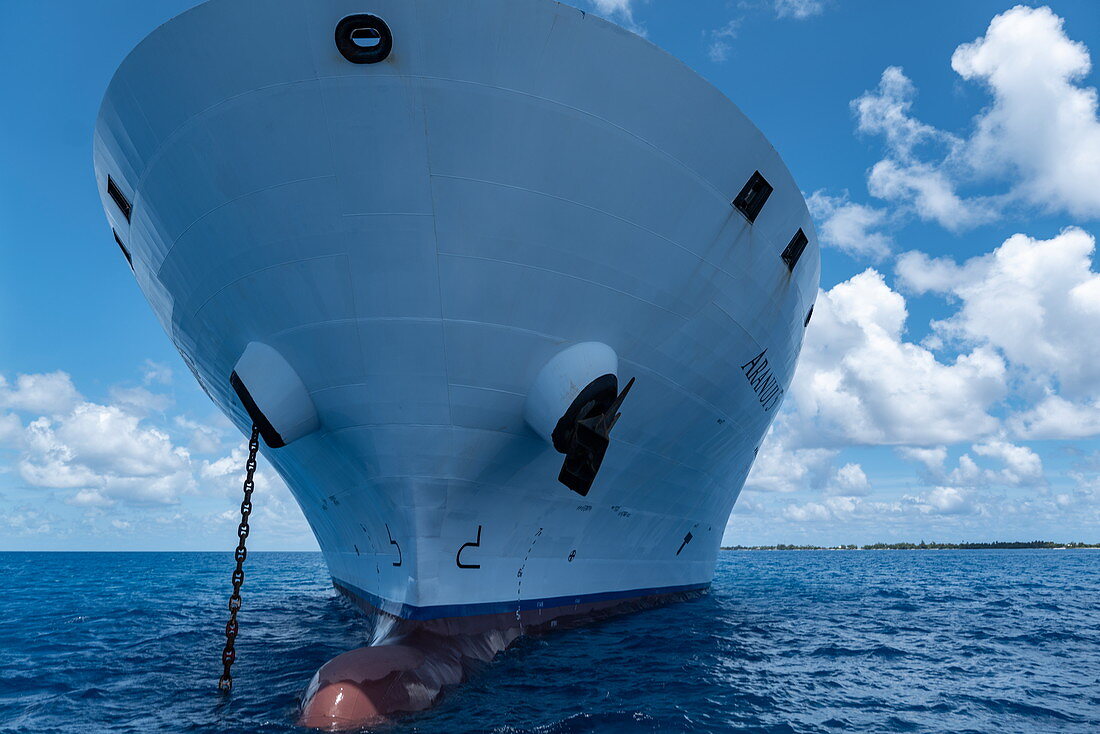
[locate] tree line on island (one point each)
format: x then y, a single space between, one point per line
995 545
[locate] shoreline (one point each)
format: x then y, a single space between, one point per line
1036 545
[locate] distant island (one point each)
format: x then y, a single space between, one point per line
997 545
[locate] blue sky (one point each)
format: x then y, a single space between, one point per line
950 386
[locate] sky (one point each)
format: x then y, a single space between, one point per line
949 386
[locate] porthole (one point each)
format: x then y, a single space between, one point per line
364 39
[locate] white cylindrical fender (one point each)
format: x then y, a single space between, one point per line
274 395
561 380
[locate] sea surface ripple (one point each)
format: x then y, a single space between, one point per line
882 641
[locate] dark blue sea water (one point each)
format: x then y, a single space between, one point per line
886 641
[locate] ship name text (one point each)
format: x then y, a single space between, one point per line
763 382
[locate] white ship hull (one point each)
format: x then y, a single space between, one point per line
417 238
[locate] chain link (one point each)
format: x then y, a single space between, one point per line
229 654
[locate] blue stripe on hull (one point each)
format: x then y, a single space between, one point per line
442 611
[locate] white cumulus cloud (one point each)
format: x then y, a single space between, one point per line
1014 466
782 466
1039 138
860 382
903 176
850 481
937 501
106 450
1041 127
50 393
932 458
1057 418
945 501
850 227
1036 302
102 453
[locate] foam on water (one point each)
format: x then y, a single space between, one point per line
933 641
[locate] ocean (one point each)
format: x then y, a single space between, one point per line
796 641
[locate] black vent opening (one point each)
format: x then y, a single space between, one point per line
270 435
120 200
122 247
794 249
753 197
364 39
809 315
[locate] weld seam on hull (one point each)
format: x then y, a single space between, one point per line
442 611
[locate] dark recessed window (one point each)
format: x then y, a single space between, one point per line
809 315
794 250
751 199
124 250
120 200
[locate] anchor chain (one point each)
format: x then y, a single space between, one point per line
229 654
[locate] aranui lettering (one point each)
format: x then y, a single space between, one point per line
762 381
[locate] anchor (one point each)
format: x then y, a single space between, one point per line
584 435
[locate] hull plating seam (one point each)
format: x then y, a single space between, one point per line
442 611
